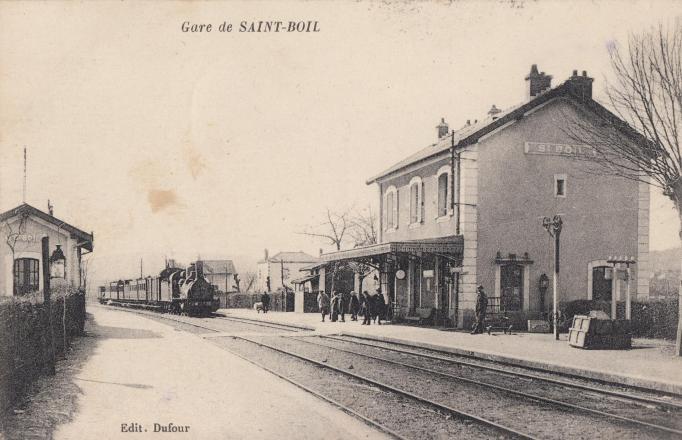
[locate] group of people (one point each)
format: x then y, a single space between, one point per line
370 307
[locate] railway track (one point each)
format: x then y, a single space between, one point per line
620 414
502 403
653 408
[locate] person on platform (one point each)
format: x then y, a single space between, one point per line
366 308
344 305
379 307
265 299
323 303
481 306
334 306
354 306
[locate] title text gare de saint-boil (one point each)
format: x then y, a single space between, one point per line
253 26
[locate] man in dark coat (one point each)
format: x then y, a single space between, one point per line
265 299
323 303
334 307
344 303
379 306
354 306
366 308
481 306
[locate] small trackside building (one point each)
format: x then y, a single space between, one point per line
468 209
21 262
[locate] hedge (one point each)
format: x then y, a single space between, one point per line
25 348
652 319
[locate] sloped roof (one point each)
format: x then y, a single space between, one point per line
219 266
470 134
293 257
85 239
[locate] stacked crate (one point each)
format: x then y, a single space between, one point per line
589 332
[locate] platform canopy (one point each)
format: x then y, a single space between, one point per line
305 279
447 246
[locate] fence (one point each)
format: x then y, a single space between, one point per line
26 341
279 301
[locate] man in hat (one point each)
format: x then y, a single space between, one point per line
481 306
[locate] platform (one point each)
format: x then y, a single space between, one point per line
649 364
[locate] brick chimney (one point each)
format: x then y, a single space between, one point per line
580 85
538 82
443 128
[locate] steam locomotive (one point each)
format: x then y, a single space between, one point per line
175 290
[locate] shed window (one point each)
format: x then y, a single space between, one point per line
26 279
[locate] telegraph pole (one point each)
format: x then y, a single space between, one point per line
553 227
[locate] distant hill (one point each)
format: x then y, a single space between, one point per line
667 260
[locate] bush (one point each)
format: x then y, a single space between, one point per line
652 319
25 335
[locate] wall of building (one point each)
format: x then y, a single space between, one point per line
274 271
600 213
431 225
29 246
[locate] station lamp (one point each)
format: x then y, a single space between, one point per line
58 263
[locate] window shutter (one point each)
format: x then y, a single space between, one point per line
396 209
423 207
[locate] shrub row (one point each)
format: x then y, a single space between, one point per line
26 341
651 319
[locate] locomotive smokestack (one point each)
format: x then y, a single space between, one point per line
199 266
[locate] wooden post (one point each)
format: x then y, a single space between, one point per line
49 331
628 305
555 285
614 291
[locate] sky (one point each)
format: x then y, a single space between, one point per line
219 145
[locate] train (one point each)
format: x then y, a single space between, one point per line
175 290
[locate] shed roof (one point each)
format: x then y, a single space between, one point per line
85 239
219 266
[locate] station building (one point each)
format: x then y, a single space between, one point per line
21 261
467 210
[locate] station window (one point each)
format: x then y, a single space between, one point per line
26 279
559 185
416 200
391 206
443 189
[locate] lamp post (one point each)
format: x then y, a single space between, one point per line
553 227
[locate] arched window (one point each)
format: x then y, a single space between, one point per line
391 208
26 276
443 191
416 200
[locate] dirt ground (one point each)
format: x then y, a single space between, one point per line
141 373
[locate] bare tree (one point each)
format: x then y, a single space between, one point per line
363 228
333 229
249 280
640 140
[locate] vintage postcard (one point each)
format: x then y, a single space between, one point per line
334 220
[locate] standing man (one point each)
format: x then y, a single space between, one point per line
481 306
366 308
323 303
354 306
334 312
265 299
379 306
343 305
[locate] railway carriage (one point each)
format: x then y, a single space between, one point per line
175 290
